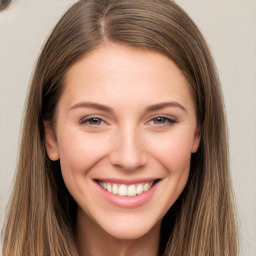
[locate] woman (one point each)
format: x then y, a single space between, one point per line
124 148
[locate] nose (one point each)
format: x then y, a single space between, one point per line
129 151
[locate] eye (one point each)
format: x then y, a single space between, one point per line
162 120
94 121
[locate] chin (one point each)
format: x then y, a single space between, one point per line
131 229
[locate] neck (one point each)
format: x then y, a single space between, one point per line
94 241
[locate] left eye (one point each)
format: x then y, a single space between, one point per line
93 121
162 120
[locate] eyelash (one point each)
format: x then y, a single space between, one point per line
165 121
87 121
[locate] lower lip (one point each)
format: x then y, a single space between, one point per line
128 201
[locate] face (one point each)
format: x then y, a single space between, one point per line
124 134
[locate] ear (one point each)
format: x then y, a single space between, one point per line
51 142
196 141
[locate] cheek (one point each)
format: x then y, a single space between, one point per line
174 152
78 153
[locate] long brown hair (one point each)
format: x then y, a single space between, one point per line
42 214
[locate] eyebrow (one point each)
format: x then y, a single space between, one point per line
150 108
162 105
92 105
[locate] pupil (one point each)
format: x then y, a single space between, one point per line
95 121
160 120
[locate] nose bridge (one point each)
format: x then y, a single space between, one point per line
129 150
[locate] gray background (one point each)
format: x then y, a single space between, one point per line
230 30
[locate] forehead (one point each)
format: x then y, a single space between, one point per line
118 72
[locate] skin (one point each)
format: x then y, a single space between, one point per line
136 138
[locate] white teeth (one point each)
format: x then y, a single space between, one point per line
145 187
131 190
109 188
139 189
115 189
122 190
126 190
104 185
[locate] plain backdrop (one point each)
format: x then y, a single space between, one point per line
229 27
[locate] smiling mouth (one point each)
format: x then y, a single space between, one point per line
127 190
